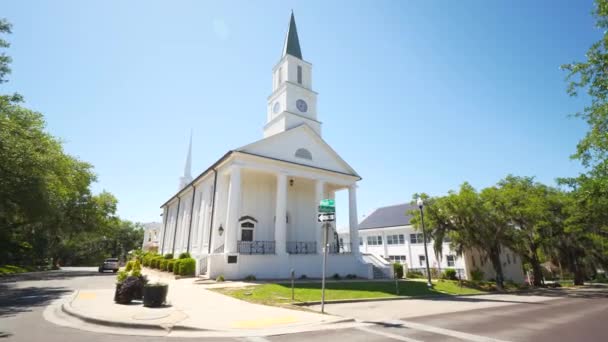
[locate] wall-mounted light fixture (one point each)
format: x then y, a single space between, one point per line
291 182
221 230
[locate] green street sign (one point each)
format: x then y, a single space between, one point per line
327 203
326 209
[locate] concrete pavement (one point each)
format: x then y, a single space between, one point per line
194 311
577 315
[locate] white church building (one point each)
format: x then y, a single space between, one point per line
254 211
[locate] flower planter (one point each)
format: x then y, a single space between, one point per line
118 285
155 295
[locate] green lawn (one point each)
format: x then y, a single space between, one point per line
280 293
10 269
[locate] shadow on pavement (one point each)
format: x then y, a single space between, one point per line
586 292
17 300
53 275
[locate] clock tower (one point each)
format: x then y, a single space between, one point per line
292 102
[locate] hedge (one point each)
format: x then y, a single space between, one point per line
163 264
170 265
187 267
169 256
184 255
176 266
398 270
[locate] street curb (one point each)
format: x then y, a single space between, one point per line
66 308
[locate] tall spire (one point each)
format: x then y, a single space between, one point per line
292 43
187 177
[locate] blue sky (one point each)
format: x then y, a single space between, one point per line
418 96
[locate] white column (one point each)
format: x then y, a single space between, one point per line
234 200
280 227
319 193
353 218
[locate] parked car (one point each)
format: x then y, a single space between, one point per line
110 264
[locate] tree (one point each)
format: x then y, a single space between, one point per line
590 190
471 221
522 203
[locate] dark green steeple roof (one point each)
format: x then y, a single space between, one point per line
292 43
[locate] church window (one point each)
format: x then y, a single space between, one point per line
303 153
299 74
247 227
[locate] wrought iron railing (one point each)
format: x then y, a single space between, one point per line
301 247
218 250
339 248
255 247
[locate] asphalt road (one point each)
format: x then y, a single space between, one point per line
572 316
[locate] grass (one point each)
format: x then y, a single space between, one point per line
280 293
10 269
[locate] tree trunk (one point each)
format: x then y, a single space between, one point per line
536 268
495 258
579 275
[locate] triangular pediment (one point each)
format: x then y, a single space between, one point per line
284 145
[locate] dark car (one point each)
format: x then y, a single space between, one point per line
110 264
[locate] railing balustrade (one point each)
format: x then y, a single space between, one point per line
255 247
301 247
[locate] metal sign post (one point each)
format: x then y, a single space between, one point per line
293 275
327 211
325 227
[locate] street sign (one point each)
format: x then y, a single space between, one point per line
327 203
326 217
325 209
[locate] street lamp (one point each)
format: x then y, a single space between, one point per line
426 253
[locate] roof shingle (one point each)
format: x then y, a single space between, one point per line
390 216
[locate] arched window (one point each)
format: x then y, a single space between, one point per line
303 153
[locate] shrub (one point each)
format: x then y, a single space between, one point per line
136 269
250 277
398 270
450 274
336 276
477 275
219 278
176 264
169 256
157 261
303 276
121 276
170 265
351 276
128 290
184 255
187 267
435 273
163 264
414 274
129 266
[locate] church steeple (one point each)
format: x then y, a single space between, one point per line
292 102
292 43
187 177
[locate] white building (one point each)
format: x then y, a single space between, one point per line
151 230
254 211
387 235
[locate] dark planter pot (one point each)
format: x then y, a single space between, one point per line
155 296
118 285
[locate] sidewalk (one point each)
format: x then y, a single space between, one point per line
193 308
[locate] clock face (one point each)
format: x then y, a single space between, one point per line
302 106
277 107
